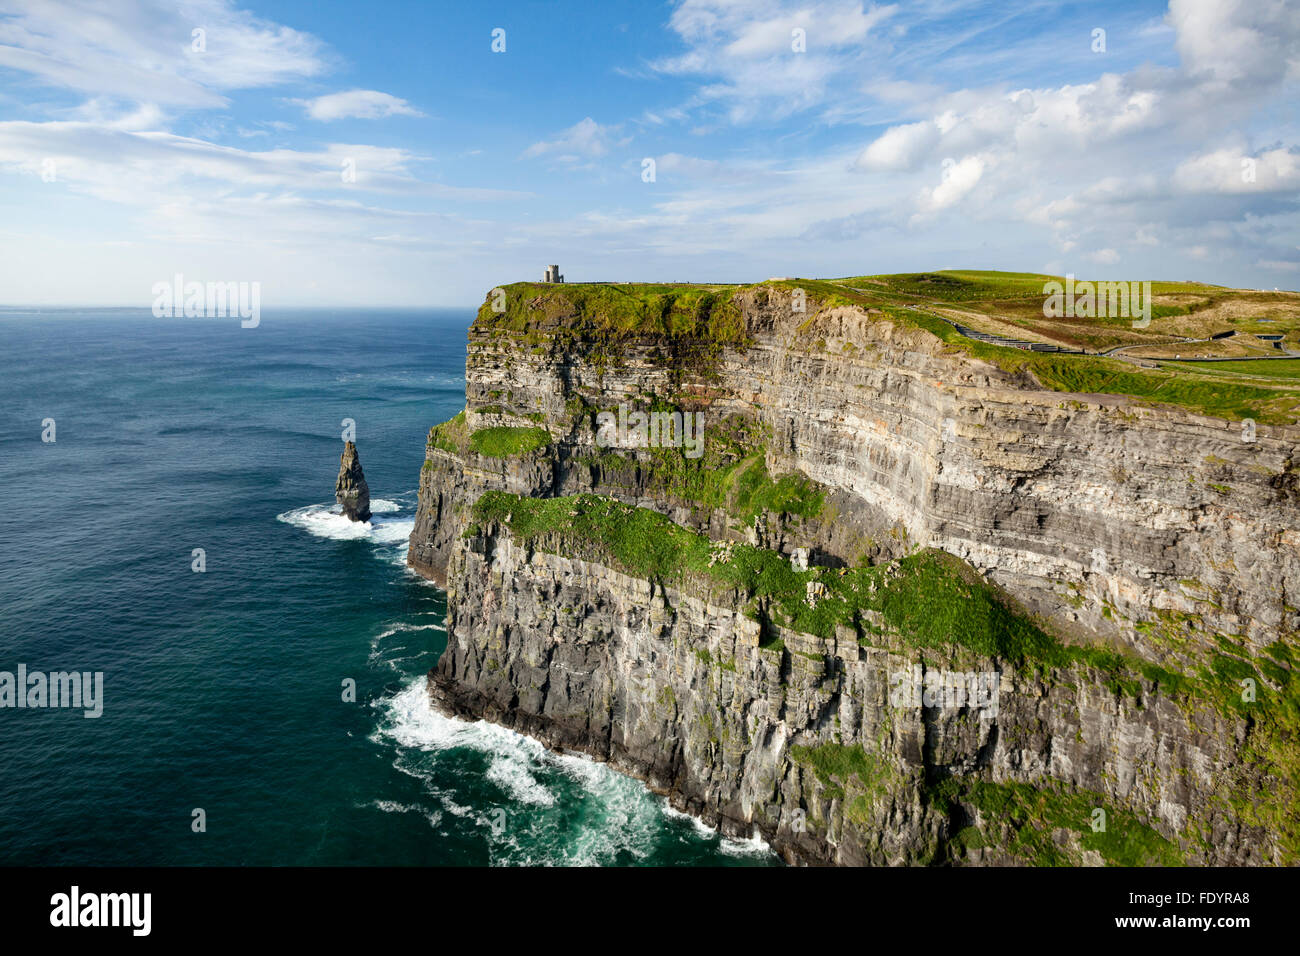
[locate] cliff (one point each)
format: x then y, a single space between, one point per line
914 602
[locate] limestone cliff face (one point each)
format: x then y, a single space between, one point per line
1146 532
677 690
351 490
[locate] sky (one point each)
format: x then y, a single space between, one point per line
342 153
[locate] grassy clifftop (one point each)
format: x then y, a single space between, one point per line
688 326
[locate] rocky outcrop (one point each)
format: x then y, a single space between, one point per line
1159 547
351 490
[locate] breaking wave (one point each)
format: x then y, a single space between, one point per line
388 524
540 808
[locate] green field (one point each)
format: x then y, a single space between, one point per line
1270 368
1008 302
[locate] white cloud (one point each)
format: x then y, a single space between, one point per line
148 169
1230 170
1139 166
959 178
584 141
1099 163
745 52
142 50
901 147
357 104
1237 42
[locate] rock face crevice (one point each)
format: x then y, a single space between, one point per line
1145 531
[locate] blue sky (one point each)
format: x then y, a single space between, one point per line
901 137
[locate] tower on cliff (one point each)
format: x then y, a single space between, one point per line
553 274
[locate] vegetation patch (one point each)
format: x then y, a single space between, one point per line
731 474
931 598
686 328
688 325
451 436
1262 368
838 763
1104 376
1030 816
506 441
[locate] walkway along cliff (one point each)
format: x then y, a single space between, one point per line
910 606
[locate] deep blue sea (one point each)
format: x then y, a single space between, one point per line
223 689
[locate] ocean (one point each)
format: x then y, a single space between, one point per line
226 738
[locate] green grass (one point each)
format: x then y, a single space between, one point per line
506 441
938 600
1271 368
757 492
930 597
451 436
1080 374
1223 400
974 285
959 286
836 763
1086 374
688 325
730 475
1028 816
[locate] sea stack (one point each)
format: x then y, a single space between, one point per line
351 490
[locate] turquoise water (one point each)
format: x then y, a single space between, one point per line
223 689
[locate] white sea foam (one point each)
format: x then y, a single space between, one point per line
411 721
392 806
324 521
404 628
754 846
731 846
701 828
618 818
516 778
417 576
383 651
